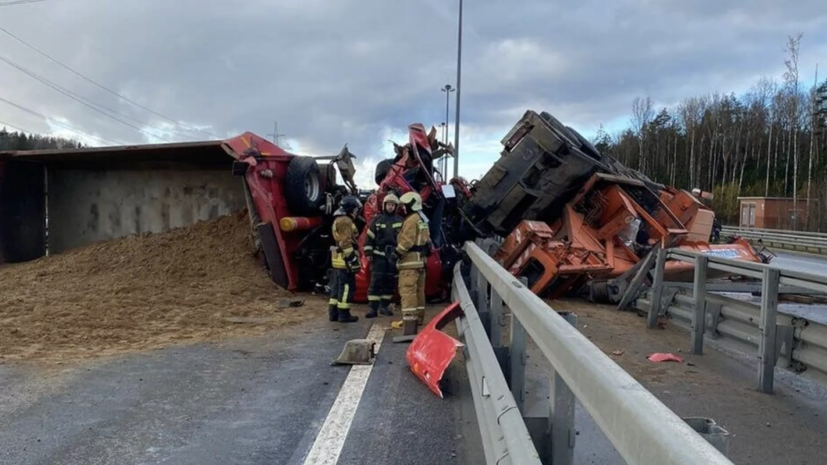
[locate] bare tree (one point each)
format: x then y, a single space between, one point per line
765 89
642 114
813 126
791 79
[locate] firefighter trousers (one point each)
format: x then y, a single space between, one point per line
382 277
342 289
412 294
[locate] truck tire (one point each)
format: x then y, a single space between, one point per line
585 146
303 187
382 169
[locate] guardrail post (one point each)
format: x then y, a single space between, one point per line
473 277
699 318
497 322
769 322
561 401
480 286
518 358
497 319
657 289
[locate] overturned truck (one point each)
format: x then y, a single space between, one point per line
570 219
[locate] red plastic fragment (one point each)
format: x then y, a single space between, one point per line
664 357
432 351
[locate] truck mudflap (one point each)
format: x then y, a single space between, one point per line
432 351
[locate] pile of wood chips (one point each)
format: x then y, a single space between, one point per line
140 292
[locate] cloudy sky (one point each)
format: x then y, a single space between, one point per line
358 71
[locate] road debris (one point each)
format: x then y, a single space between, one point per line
356 352
288 303
664 357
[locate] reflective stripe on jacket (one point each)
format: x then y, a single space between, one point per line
412 241
382 233
345 235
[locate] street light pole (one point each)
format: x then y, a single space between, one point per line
447 89
459 85
443 136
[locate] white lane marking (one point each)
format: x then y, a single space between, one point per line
331 438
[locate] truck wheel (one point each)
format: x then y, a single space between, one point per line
303 187
586 146
382 170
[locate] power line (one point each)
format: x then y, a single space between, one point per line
101 86
21 2
63 90
78 98
17 128
58 123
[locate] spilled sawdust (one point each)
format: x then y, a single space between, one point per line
141 292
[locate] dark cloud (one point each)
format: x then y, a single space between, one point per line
346 71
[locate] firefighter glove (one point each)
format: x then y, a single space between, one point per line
353 263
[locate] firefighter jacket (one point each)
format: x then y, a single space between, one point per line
345 236
413 242
382 234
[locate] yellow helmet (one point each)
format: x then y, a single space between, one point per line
390 198
412 201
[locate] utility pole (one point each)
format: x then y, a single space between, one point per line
459 81
275 134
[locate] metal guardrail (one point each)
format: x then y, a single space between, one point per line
642 429
792 342
505 436
792 240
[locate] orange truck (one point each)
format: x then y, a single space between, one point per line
571 218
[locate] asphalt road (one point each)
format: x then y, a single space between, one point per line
795 262
259 400
591 446
800 262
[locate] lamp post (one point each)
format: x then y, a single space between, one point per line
447 89
459 81
443 135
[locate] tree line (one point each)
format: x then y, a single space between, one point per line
771 141
22 141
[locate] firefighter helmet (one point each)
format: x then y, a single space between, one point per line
412 201
349 205
390 198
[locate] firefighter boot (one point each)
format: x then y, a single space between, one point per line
346 317
332 312
374 308
384 308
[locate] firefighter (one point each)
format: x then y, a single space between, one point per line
413 247
345 260
380 247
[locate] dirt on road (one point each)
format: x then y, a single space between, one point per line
787 427
618 334
139 292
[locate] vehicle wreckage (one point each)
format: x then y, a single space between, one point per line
552 209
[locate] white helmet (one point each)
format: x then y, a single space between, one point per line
412 201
